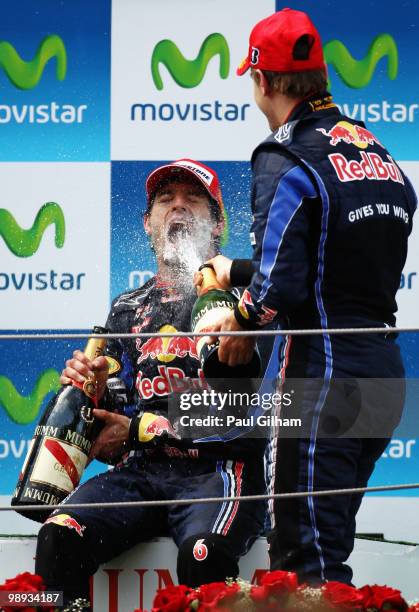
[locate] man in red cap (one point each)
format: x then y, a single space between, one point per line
324 256
184 221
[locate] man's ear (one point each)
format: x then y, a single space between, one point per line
219 227
146 223
262 82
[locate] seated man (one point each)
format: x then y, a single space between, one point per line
184 220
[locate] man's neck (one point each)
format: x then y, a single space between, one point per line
281 109
174 273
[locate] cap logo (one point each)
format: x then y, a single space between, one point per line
254 56
201 172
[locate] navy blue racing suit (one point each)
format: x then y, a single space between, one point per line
332 212
174 469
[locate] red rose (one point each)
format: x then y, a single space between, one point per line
172 599
279 583
275 587
414 607
343 595
23 582
26 582
376 596
216 596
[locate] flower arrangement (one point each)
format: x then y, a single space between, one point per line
277 592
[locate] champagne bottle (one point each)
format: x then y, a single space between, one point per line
212 304
60 447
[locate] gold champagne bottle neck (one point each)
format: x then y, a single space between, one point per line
209 279
95 346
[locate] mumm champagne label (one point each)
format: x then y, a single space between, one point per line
61 460
207 316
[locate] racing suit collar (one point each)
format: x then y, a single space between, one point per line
312 104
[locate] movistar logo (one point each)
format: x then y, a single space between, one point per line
189 73
24 409
26 75
25 242
358 73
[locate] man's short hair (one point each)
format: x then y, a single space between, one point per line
296 84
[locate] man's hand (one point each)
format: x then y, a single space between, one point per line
222 267
111 440
233 350
79 369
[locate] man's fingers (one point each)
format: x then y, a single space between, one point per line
197 279
77 367
100 364
103 415
65 381
81 357
223 352
210 339
71 374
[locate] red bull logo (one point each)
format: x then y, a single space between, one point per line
152 425
169 380
343 131
370 166
65 520
166 350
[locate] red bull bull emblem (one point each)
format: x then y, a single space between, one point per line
343 131
152 425
65 520
166 350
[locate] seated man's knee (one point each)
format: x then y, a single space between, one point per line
63 555
204 558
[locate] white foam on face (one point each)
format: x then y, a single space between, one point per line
186 249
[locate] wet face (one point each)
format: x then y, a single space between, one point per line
180 220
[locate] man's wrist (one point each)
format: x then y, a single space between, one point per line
241 272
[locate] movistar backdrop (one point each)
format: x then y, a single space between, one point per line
54 80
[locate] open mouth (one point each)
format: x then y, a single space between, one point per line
179 228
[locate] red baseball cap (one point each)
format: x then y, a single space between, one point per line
206 176
272 40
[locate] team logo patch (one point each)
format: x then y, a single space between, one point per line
254 59
343 131
65 520
152 425
167 349
245 300
267 315
371 167
201 172
283 133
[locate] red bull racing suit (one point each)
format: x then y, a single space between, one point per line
176 468
332 213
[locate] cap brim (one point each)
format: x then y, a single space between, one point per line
244 67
